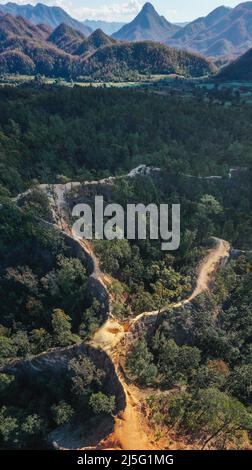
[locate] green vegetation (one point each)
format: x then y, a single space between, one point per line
68 395
148 277
203 361
197 359
45 133
27 49
45 289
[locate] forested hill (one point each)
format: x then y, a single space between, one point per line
45 133
27 49
240 69
146 57
66 38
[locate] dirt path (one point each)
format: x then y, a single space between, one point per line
215 256
218 253
131 431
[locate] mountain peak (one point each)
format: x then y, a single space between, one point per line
148 7
66 38
98 33
147 25
96 40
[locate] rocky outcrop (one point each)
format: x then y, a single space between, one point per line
57 360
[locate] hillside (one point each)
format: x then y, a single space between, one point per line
24 50
240 69
200 25
11 27
45 29
148 25
40 13
66 38
225 32
145 58
96 40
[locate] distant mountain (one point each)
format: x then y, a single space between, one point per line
66 38
200 25
106 26
43 14
74 42
225 32
148 25
240 69
145 58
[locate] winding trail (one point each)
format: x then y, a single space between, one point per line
131 431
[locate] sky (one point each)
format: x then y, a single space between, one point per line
126 10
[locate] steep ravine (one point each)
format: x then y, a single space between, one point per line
131 431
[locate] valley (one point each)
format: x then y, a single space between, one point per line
115 344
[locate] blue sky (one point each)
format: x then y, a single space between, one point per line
125 10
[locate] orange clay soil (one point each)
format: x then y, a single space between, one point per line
131 430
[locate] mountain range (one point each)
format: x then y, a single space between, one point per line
43 14
224 32
52 43
26 48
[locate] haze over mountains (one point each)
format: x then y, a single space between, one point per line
108 27
224 32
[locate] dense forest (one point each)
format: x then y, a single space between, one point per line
72 396
208 208
197 358
47 301
201 358
48 134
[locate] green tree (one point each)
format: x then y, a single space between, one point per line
61 324
240 383
84 375
102 404
8 426
62 413
5 381
140 363
33 426
218 418
71 275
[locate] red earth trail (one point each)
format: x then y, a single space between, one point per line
131 431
